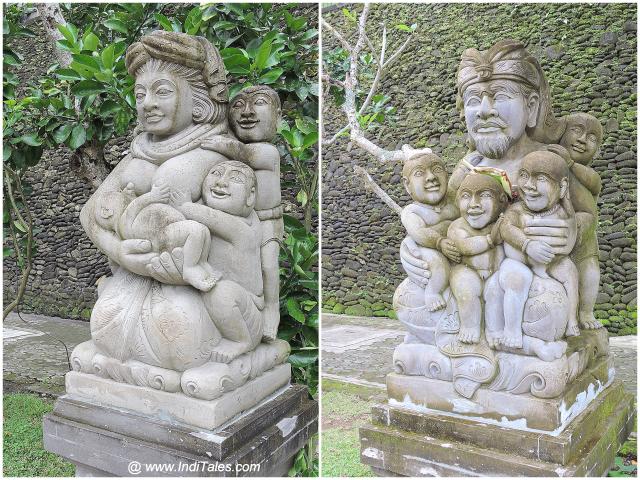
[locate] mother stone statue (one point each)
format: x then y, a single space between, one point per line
149 326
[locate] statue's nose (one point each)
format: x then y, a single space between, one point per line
486 107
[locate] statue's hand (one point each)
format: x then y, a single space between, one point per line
552 231
496 237
417 270
229 147
540 251
449 249
161 192
134 254
166 267
178 197
562 152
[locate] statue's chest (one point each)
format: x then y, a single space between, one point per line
185 172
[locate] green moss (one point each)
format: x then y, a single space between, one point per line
338 308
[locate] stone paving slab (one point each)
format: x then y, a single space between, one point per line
32 355
369 360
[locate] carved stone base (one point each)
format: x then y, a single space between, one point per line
177 407
502 408
409 443
104 441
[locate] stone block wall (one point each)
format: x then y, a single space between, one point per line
66 266
589 55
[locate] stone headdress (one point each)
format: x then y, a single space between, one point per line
182 49
509 60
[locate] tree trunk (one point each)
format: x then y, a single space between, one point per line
51 17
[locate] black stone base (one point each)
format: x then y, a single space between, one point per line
104 441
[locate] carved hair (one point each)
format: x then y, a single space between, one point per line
479 181
421 160
192 58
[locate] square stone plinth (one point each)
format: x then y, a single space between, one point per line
106 441
503 408
208 414
406 442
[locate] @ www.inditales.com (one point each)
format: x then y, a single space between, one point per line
144 469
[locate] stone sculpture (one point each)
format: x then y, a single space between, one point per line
191 220
501 284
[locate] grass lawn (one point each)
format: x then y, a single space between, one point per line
24 455
342 414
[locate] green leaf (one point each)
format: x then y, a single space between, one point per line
87 87
107 57
237 64
62 133
86 61
302 197
30 139
193 21
108 107
351 16
293 308
20 226
90 42
403 28
310 139
69 32
117 25
67 74
303 358
6 152
78 137
262 56
271 76
163 21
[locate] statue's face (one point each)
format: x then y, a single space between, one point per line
254 117
229 189
427 183
581 141
538 189
164 103
497 114
479 206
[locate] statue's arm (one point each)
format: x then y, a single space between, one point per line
221 224
428 237
588 177
254 155
510 230
468 245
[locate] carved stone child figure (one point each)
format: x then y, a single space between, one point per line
427 220
543 183
236 302
150 217
581 139
253 117
476 234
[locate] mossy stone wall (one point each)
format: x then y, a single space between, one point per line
588 52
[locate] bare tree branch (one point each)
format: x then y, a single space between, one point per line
336 34
372 186
395 56
376 80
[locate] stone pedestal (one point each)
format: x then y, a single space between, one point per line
113 441
423 442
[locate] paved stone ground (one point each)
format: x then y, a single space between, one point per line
359 350
33 358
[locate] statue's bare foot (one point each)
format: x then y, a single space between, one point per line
199 277
548 351
227 350
511 339
588 321
493 338
469 335
434 302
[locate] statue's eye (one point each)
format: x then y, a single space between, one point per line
465 196
216 173
592 138
418 173
237 177
524 175
577 130
260 101
140 96
437 169
473 101
501 97
238 104
541 178
486 195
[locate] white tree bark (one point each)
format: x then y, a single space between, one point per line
51 17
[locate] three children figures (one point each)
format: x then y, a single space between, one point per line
475 240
